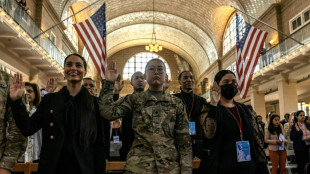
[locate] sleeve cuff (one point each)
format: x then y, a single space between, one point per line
107 84
8 163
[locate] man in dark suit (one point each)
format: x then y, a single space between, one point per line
138 83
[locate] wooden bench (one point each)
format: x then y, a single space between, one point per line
28 168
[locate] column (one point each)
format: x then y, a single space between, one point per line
258 103
288 99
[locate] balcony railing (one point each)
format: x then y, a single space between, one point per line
285 47
24 20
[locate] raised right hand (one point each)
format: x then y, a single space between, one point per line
215 94
111 73
17 86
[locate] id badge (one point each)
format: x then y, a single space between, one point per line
192 128
243 151
115 139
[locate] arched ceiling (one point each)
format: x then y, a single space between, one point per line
193 29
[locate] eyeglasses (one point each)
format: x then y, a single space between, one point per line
90 85
153 69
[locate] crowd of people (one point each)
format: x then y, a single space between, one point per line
72 130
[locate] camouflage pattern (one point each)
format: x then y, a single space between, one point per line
12 142
162 140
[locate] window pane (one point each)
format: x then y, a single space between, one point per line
306 16
138 62
299 21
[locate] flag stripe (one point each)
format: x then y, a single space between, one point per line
247 54
93 34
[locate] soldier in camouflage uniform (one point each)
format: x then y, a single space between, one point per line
13 143
162 141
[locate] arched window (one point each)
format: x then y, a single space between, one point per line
70 31
138 62
230 33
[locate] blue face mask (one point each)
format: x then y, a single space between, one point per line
229 91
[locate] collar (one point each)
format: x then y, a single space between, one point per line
149 97
187 94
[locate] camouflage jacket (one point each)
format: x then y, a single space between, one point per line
12 142
162 141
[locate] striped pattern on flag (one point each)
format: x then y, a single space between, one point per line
93 34
248 48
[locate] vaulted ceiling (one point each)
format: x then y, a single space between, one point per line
191 28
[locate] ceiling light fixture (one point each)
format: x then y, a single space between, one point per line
153 46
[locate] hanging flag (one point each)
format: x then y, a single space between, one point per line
249 44
93 34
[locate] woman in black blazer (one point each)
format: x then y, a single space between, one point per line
300 135
72 131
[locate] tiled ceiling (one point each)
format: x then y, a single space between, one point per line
191 28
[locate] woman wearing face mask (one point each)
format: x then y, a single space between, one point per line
274 137
300 135
228 125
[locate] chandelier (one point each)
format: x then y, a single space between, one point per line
153 46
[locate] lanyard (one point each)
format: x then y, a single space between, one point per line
240 121
116 129
189 113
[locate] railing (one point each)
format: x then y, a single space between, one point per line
285 47
24 20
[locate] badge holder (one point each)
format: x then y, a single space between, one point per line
192 128
243 151
115 139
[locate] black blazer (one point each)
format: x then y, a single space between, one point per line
50 116
296 137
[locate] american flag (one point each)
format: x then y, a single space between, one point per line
93 34
248 48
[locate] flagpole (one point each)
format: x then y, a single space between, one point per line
64 20
268 26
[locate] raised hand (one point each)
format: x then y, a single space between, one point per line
111 73
17 86
51 85
118 85
215 94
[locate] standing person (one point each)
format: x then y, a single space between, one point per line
260 122
138 83
227 124
91 86
300 135
285 120
275 138
72 132
13 143
162 142
34 144
193 104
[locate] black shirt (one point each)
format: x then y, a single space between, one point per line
188 99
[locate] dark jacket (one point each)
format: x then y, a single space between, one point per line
50 116
296 137
211 119
187 99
